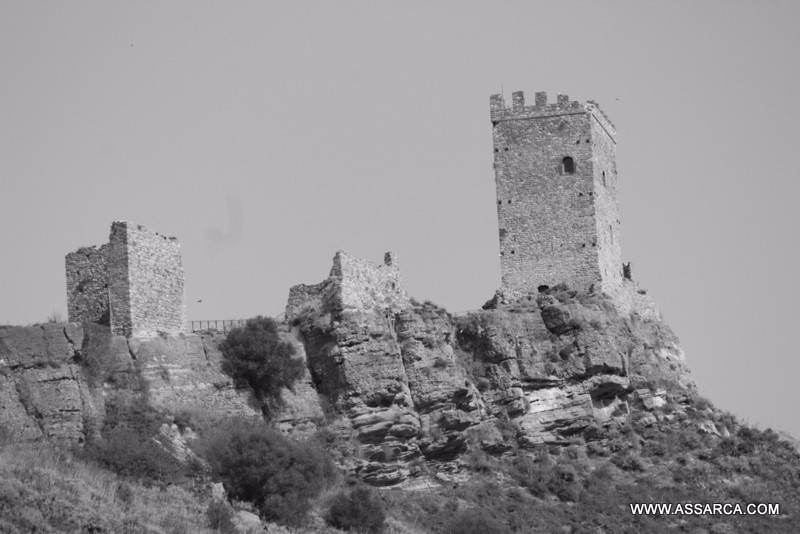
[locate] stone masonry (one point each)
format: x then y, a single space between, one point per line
556 180
353 284
134 283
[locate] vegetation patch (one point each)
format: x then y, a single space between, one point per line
127 444
256 356
260 465
357 510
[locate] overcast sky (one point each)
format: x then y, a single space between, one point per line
267 135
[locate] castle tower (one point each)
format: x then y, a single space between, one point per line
133 283
556 179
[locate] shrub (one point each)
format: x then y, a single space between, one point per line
258 464
563 483
532 475
254 355
702 403
628 461
357 510
127 445
475 522
733 447
479 461
219 515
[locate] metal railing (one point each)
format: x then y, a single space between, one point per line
217 325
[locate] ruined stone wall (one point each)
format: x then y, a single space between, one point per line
305 298
353 284
547 217
155 271
364 285
118 279
87 285
135 282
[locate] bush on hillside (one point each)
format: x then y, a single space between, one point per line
475 521
219 516
260 465
127 446
255 355
357 510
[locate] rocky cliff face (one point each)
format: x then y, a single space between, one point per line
411 382
566 362
399 388
56 379
43 393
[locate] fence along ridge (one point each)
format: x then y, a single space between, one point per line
217 325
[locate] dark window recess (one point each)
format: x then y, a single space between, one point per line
583 245
568 165
587 140
542 288
512 251
604 177
506 149
508 201
503 233
499 202
497 150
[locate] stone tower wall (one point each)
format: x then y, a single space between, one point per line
354 284
87 285
155 274
365 285
119 280
135 281
549 220
606 210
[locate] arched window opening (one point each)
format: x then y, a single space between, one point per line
604 179
568 165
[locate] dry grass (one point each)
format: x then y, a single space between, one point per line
44 489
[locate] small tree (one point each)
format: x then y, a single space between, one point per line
258 464
357 510
255 355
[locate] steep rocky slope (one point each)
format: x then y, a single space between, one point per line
402 384
519 410
411 382
55 380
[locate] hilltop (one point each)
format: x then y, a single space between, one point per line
539 415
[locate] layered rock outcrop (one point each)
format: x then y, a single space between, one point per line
414 382
43 392
401 387
387 363
55 379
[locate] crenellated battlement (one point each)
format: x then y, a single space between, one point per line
499 111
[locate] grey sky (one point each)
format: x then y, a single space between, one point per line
267 135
